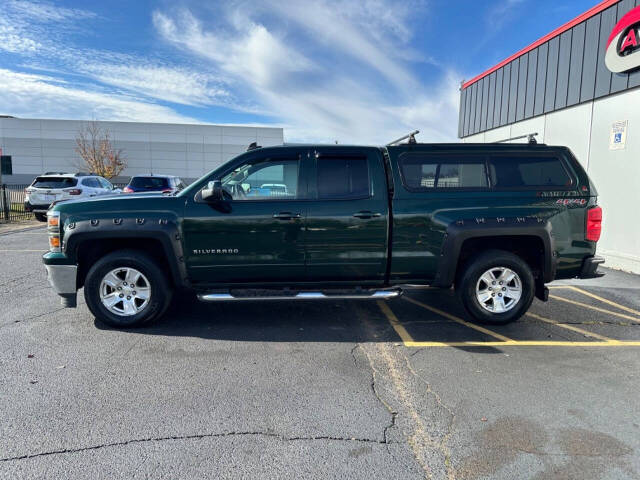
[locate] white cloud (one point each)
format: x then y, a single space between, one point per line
24 21
42 96
24 25
357 29
176 85
501 13
326 70
12 40
252 52
44 11
356 88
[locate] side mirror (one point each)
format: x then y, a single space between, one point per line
213 192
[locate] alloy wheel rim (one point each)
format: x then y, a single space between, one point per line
125 291
499 290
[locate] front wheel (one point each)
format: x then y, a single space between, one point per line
41 217
126 288
497 287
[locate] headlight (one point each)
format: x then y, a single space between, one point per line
53 229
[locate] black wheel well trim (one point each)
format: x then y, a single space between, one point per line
166 234
456 235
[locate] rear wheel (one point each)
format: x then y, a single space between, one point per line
127 289
497 287
41 217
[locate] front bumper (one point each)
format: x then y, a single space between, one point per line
63 280
590 267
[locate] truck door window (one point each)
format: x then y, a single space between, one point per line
425 171
343 178
523 171
263 180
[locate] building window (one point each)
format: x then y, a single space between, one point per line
6 167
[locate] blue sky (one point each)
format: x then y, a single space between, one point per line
352 71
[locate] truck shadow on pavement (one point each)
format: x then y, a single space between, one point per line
275 321
350 321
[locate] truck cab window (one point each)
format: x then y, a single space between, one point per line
343 178
263 180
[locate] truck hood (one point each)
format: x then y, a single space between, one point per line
124 205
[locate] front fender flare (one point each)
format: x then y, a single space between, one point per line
156 227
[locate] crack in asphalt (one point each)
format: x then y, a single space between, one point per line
13 322
594 322
445 439
193 437
392 412
375 394
391 367
28 229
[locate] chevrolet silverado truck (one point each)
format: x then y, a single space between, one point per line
497 222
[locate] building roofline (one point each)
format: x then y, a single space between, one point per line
570 24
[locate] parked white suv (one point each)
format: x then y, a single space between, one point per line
54 187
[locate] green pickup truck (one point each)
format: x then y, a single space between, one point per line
495 221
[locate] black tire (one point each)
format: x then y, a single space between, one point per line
471 275
41 217
159 299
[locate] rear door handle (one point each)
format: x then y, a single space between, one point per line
366 214
286 216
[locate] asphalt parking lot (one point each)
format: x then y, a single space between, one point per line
339 389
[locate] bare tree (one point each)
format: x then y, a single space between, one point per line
98 155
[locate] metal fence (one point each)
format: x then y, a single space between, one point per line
12 203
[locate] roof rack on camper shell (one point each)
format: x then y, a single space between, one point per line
531 138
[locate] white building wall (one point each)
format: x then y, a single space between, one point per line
188 151
616 174
586 129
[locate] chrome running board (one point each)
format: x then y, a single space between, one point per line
376 295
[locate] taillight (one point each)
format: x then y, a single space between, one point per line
127 190
594 224
73 191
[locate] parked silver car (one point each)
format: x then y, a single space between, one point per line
56 186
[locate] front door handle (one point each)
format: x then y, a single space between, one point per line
286 216
366 214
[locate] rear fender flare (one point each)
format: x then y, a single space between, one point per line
458 232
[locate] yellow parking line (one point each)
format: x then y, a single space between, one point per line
459 320
525 343
571 327
604 300
408 341
393 320
597 309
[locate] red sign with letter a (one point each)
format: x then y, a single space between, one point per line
623 47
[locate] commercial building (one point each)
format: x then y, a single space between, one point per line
36 146
576 86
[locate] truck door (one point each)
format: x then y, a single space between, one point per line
257 234
347 220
